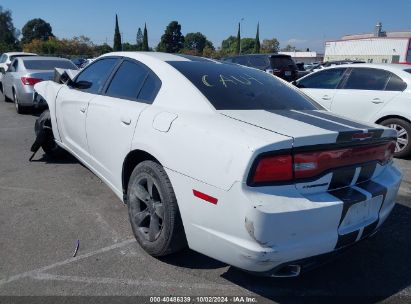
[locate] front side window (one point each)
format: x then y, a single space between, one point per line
96 74
367 79
234 87
327 79
127 81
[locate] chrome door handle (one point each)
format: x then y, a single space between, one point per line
326 97
83 109
126 120
377 101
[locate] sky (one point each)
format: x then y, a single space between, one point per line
301 23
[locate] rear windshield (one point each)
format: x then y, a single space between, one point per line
49 64
408 71
282 62
233 87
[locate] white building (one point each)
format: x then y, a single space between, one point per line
306 57
377 47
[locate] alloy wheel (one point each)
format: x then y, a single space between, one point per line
402 139
147 208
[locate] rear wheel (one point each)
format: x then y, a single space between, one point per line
19 108
403 128
153 210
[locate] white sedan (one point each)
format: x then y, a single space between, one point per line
374 93
233 162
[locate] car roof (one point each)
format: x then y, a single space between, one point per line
385 66
40 58
19 53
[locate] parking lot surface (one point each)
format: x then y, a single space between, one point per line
48 204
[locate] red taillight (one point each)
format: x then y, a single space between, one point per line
273 168
30 81
282 168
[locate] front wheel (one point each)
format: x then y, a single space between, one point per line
43 124
403 128
153 210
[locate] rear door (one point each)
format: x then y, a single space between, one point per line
112 117
365 92
72 105
322 85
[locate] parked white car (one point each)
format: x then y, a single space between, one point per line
374 93
235 163
7 58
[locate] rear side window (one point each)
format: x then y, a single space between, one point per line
127 81
47 65
150 88
233 87
97 74
395 84
327 79
367 79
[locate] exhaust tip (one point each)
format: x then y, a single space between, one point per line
288 271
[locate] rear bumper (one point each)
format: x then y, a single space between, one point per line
261 230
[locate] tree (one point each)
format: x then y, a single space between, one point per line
172 40
139 39
117 37
229 46
145 47
257 40
289 48
270 46
196 42
247 45
238 45
8 34
36 29
102 49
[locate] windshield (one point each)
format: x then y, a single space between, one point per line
49 64
233 87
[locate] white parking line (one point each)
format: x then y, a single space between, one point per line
65 262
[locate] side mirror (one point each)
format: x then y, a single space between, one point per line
82 85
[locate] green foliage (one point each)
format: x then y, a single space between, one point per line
102 49
8 34
270 46
117 37
197 42
257 40
145 47
127 47
247 45
172 40
238 45
36 29
229 46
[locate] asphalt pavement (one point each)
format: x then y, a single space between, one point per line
49 204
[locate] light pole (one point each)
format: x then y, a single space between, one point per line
241 28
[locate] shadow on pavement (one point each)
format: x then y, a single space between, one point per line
62 157
371 271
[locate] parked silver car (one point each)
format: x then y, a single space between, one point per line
24 72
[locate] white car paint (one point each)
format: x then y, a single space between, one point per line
367 105
212 151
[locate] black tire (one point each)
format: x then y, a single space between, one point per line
2 97
403 127
49 146
154 215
